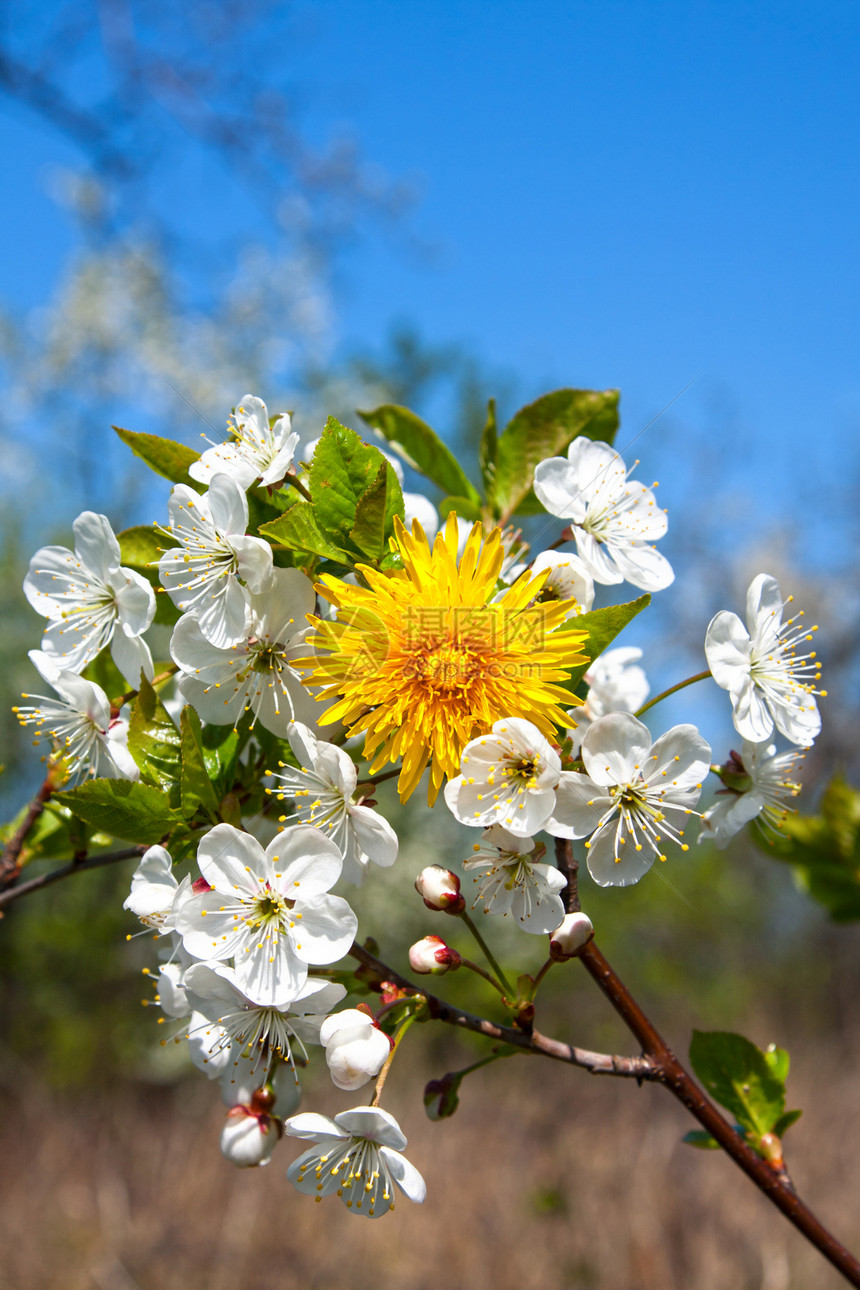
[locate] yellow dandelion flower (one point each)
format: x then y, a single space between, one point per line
423 659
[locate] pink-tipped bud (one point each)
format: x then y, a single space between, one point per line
440 889
432 955
568 939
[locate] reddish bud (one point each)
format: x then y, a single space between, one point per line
432 956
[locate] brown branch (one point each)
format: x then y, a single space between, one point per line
9 866
74 866
569 867
669 1072
597 1063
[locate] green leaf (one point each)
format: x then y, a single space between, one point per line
195 785
701 1139
785 1122
824 850
739 1076
463 506
122 808
778 1060
153 740
422 448
544 429
368 531
297 530
165 456
601 627
221 746
488 449
343 470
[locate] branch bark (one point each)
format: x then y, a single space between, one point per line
65 871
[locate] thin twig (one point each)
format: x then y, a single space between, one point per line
669 1072
9 866
75 866
597 1063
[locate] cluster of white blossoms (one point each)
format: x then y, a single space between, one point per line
249 939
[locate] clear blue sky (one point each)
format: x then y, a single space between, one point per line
629 194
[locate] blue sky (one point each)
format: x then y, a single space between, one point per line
642 195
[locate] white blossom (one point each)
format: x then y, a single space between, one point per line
154 890
509 777
634 797
511 881
355 1048
254 674
91 741
568 579
236 1039
255 452
268 910
615 684
758 785
90 601
768 682
614 519
323 788
356 1156
206 575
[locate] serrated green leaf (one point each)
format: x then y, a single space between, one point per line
544 429
701 1139
422 448
122 808
196 787
785 1122
738 1076
601 626
464 508
165 456
368 531
153 741
343 469
488 451
297 530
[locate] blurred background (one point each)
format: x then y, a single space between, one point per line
336 204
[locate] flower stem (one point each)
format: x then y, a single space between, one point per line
464 914
467 963
691 680
383 1074
294 482
540 976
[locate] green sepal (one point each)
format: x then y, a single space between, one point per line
422 448
122 808
740 1077
545 429
154 742
196 787
165 456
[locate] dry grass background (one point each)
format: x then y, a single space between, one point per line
547 1177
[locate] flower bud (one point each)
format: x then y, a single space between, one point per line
249 1138
355 1047
568 939
441 1096
440 889
432 955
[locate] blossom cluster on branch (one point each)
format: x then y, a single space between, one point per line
329 632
